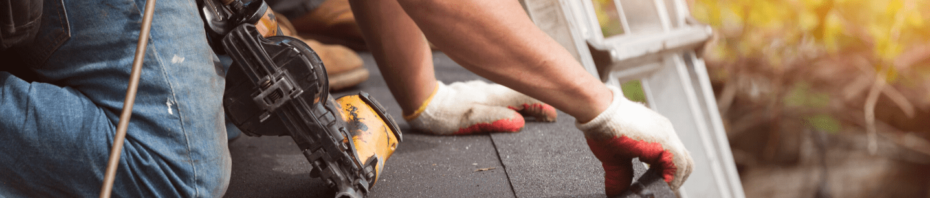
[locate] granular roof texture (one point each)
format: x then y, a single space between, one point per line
543 160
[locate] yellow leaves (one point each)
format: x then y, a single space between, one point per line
813 3
787 40
886 35
887 48
893 6
891 76
807 20
884 28
832 30
701 10
767 14
914 19
608 17
600 7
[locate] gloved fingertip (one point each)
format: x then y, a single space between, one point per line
541 111
669 169
513 124
617 178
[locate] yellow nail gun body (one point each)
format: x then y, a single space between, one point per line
277 85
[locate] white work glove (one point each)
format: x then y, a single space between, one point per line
627 130
476 107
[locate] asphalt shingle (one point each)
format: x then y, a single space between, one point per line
543 160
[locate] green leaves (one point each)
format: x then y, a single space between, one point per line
824 122
802 96
633 90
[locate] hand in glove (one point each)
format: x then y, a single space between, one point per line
627 130
476 107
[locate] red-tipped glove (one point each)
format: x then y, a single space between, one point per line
627 130
476 107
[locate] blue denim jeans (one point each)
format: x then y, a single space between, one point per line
56 132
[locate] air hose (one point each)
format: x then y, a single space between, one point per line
117 148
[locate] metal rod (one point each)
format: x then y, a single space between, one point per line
117 149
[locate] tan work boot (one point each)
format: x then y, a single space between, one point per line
332 22
343 66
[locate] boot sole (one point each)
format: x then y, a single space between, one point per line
348 79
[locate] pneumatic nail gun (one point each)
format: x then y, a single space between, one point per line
277 85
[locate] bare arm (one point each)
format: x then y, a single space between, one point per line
494 39
399 48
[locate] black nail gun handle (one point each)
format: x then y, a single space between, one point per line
278 86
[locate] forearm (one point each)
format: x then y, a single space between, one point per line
399 48
496 39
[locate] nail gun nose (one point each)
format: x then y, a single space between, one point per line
348 193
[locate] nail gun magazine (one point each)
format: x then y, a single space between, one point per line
277 86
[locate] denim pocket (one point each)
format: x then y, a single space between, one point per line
53 32
20 21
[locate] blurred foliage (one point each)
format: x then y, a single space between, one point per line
633 90
806 55
776 28
884 27
801 96
820 62
823 122
608 17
